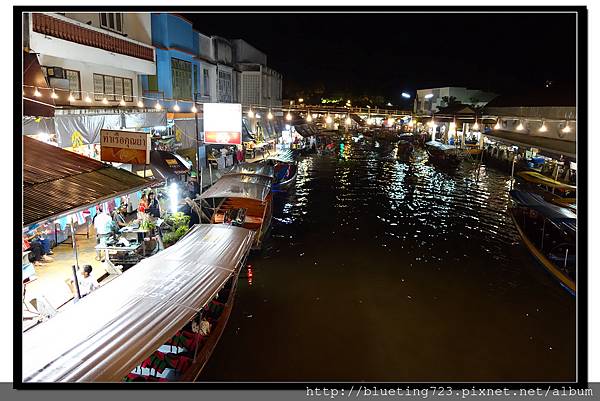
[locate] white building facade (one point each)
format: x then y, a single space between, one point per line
97 58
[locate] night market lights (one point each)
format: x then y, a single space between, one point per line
194 109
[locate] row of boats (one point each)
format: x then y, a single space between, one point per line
161 320
544 210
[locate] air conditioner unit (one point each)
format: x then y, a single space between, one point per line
55 72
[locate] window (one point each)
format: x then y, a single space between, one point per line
118 88
74 83
109 87
206 82
98 87
196 90
153 83
182 79
114 88
112 21
224 86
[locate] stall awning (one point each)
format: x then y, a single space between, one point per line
57 182
166 165
108 333
33 77
252 169
555 146
239 186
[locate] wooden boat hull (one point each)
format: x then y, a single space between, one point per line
203 356
562 278
443 157
258 215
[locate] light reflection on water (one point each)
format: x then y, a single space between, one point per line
383 270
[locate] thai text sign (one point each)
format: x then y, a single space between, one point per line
124 147
223 123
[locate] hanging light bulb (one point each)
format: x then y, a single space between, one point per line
411 123
194 109
431 123
328 119
157 106
520 126
250 113
270 115
314 116
348 121
104 100
176 107
122 102
53 95
476 126
370 121
391 120
288 117
71 97
88 99
309 117
497 126
543 128
566 129
140 103
37 93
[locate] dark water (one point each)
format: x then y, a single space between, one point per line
379 270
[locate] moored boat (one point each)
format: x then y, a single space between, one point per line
551 190
285 170
405 150
549 232
442 153
149 324
243 200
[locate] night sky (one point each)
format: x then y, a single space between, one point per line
387 53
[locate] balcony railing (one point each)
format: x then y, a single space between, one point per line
73 32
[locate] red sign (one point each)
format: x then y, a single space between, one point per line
225 138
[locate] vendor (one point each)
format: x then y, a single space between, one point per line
153 205
118 216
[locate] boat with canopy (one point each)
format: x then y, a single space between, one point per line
285 169
143 326
549 232
440 152
551 190
243 200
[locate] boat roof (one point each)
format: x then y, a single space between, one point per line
559 216
439 145
540 179
252 169
283 157
255 187
108 333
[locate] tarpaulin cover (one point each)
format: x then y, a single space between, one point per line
185 131
240 186
37 125
145 119
107 334
559 216
252 169
166 165
82 129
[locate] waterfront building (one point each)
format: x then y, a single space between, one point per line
97 58
429 101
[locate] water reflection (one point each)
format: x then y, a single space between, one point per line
383 270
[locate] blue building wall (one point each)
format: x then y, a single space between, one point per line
173 37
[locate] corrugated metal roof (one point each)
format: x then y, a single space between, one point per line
56 181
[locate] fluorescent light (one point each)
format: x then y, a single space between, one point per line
429 96
405 95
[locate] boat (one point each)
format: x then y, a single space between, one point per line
408 137
472 149
551 190
549 232
442 153
243 200
405 150
143 326
285 170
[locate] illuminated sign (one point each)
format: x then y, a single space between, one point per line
124 147
223 123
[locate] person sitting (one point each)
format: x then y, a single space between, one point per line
118 216
86 282
37 254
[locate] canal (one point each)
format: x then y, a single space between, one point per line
380 270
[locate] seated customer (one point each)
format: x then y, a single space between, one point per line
86 282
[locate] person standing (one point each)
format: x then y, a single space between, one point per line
119 216
103 224
153 205
143 205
